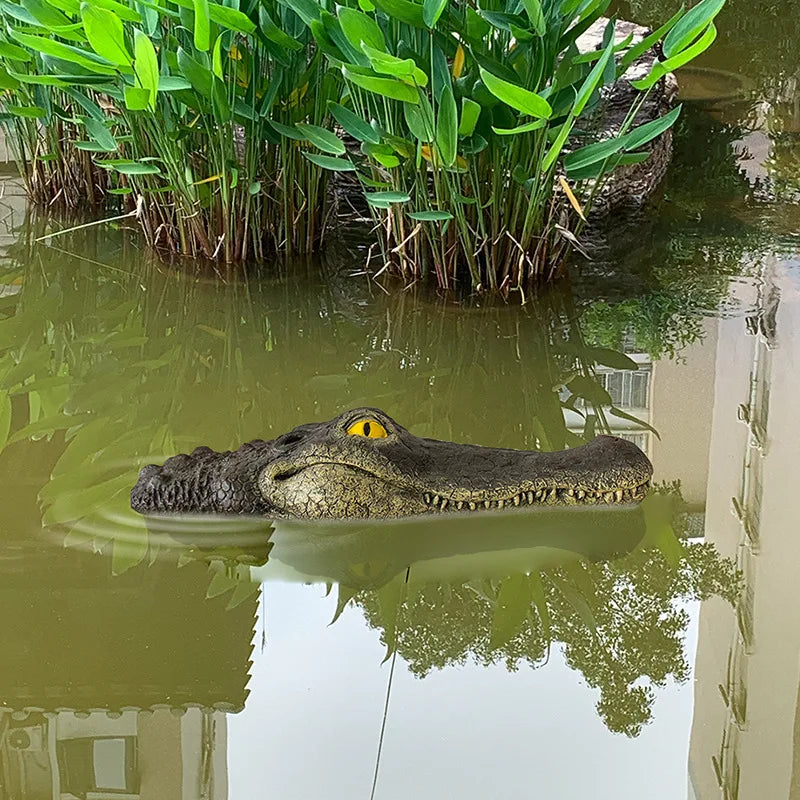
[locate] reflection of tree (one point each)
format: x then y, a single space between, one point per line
653 278
620 623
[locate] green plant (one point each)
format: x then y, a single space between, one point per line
181 104
472 124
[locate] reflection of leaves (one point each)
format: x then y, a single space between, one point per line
589 389
511 609
618 622
5 418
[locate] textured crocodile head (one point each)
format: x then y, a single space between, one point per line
363 464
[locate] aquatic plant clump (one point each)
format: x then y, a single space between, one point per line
469 129
177 108
473 124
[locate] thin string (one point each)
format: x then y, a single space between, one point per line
388 695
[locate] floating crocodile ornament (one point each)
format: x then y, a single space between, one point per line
363 464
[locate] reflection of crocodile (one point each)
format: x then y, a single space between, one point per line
363 464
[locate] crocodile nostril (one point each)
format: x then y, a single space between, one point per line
284 474
290 438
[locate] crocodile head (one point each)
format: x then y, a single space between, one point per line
364 464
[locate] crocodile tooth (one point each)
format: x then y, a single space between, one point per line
487 503
581 494
531 495
427 498
436 499
571 492
444 503
460 505
608 497
552 494
539 494
619 495
501 503
516 499
471 506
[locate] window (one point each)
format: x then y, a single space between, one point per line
104 764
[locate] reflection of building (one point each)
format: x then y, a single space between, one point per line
148 755
659 393
116 687
746 731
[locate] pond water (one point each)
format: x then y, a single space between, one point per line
601 653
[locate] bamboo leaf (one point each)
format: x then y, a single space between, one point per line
593 80
385 199
649 41
231 18
691 26
431 11
385 87
331 163
353 124
358 28
323 139
146 66
100 133
522 100
533 8
470 111
430 216
202 25
105 34
447 127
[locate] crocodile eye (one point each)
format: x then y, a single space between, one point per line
369 428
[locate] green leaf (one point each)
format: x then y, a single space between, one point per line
146 66
430 216
199 76
385 87
325 140
122 11
403 68
329 162
274 33
385 199
691 26
31 112
231 18
555 149
65 52
650 130
649 41
661 68
254 188
419 119
533 8
307 10
105 34
358 28
526 128
403 11
593 80
100 133
447 127
14 53
470 111
432 10
125 167
137 98
358 128
522 100
202 25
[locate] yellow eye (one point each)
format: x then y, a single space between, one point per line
369 428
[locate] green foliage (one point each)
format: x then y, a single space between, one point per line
467 117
